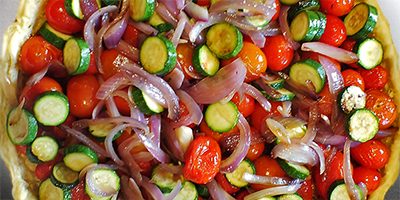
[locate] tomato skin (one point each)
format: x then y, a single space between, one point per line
242 194
202 160
315 56
58 133
78 192
21 148
337 7
253 58
216 136
30 93
36 53
372 154
92 69
325 101
278 52
256 118
255 151
131 35
352 77
382 106
224 183
43 170
277 7
184 57
112 60
335 33
59 19
246 106
205 3
370 177
266 166
81 93
305 190
377 77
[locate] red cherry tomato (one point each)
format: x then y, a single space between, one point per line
21 148
43 170
78 192
184 57
370 177
377 77
122 104
325 101
305 190
30 93
337 7
246 106
185 113
68 122
92 69
348 44
242 194
352 77
36 53
81 93
335 33
59 19
255 151
205 3
266 166
256 118
277 7
131 35
382 106
216 136
224 183
315 56
253 58
373 154
112 60
278 52
202 160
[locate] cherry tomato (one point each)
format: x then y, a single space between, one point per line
122 105
352 77
370 177
131 35
81 93
68 122
185 113
59 19
372 153
78 192
30 93
124 136
305 190
255 151
335 33
256 118
325 101
277 7
205 3
242 194
216 136
92 69
112 60
246 106
377 77
21 148
266 166
382 106
337 7
184 57
315 56
202 160
43 170
253 58
278 52
224 183
348 44
36 53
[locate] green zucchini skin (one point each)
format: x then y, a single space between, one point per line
204 61
364 25
64 177
301 6
57 114
25 124
224 40
53 36
308 69
369 51
361 125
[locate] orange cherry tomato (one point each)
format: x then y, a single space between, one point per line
131 35
184 57
68 122
266 166
43 170
59 19
253 58
216 136
255 151
352 77
305 190
112 60
224 183
382 106
256 118
81 93
372 153
370 177
202 160
246 106
36 53
278 52
337 7
325 101
315 56
335 33
377 77
30 93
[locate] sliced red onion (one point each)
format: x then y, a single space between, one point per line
265 180
128 50
336 53
347 173
285 109
151 188
183 19
257 95
216 191
268 89
229 142
88 7
132 70
320 154
274 191
174 192
271 29
170 6
156 151
229 164
175 78
197 12
109 145
330 139
296 153
278 130
143 27
84 139
94 185
214 88
143 156
332 152
251 6
129 188
199 26
162 10
55 68
82 173
257 37
285 27
174 169
124 151
364 189
194 109
155 128
110 85
84 123
240 22
297 88
171 141
312 124
112 107
386 133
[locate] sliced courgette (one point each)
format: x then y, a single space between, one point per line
47 191
322 26
302 6
361 21
158 55
79 156
225 40
276 84
22 126
221 117
103 179
73 8
51 108
45 148
338 191
305 26
350 98
53 36
202 190
64 177
164 179
369 52
160 24
257 20
204 61
361 125
141 10
100 131
235 178
145 103
289 2
76 56
293 170
308 69
187 192
284 95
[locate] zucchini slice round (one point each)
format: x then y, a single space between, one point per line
22 126
308 69
204 61
350 98
235 178
51 108
361 21
225 40
45 148
76 55
187 192
293 170
338 191
369 51
164 179
141 10
79 156
361 125
63 176
145 103
47 191
53 36
305 26
221 117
